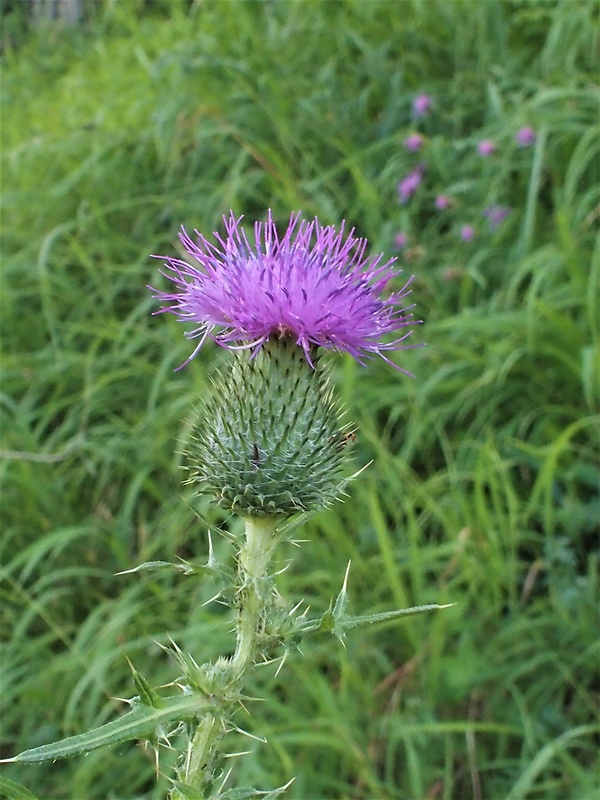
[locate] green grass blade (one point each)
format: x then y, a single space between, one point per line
528 777
14 791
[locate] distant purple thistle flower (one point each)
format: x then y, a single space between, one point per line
409 184
525 137
314 284
414 142
467 233
496 215
486 148
421 105
442 201
400 240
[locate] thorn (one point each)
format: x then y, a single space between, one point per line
122 700
295 608
244 707
212 599
156 762
283 659
246 733
346 576
225 779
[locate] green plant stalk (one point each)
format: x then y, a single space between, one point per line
255 593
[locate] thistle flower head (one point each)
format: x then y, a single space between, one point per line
268 439
467 233
400 240
496 215
442 201
409 184
413 142
421 105
314 284
525 137
486 147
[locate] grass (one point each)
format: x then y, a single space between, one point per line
484 486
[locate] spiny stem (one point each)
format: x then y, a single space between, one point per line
254 593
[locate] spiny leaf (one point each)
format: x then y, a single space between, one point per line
136 724
247 794
155 566
365 619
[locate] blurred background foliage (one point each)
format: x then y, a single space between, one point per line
124 119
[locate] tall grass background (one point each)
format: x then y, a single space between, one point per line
483 490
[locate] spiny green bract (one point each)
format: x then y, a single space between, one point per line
268 438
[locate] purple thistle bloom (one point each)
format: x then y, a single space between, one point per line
421 105
486 148
496 215
442 201
413 142
314 284
409 184
400 240
525 136
467 233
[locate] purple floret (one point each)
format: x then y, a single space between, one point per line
314 284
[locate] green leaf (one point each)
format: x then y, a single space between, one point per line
339 609
14 791
248 794
186 568
136 724
147 695
365 619
158 566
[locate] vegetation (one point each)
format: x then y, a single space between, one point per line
484 486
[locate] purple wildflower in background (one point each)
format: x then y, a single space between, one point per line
413 142
400 240
467 233
442 201
496 215
525 137
314 283
409 184
421 105
486 148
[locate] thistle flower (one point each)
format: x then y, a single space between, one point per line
413 142
400 240
442 201
467 233
408 185
525 137
421 105
314 284
496 215
486 148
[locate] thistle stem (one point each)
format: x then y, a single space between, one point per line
254 595
255 590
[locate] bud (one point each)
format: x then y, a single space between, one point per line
267 440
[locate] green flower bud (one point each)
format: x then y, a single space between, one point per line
267 440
